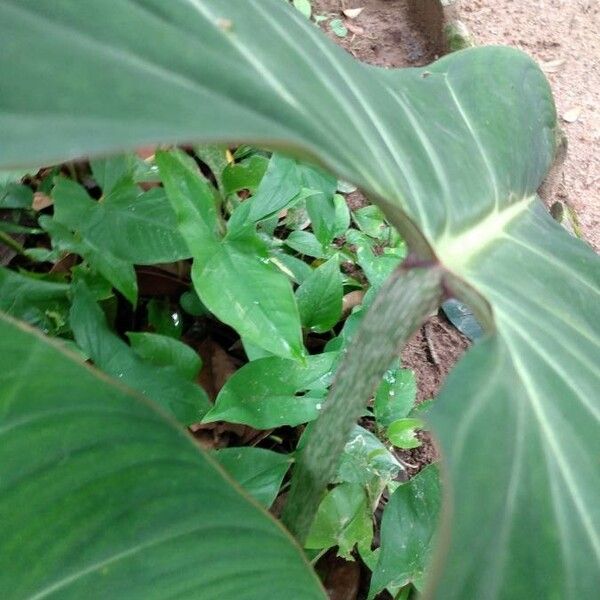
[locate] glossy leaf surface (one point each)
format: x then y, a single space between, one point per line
259 471
270 392
453 153
164 385
101 495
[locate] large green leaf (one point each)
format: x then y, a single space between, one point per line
453 153
102 496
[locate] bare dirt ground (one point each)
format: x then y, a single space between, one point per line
564 37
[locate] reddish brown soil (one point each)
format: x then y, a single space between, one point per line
388 37
564 36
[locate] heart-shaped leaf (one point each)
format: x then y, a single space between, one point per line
102 495
453 154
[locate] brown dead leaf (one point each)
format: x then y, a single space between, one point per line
352 13
552 66
41 201
217 367
146 152
350 300
355 29
341 577
65 264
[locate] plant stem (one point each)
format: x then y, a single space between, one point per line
410 295
7 240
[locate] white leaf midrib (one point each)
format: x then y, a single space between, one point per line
456 250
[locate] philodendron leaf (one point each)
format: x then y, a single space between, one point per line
266 392
233 275
409 523
101 495
259 471
165 385
453 153
319 297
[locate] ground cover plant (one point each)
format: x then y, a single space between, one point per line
99 477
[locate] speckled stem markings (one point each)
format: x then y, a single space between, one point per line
404 302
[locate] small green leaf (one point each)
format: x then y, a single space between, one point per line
407 530
371 221
164 318
342 216
263 393
305 243
320 206
343 520
164 385
193 201
119 273
259 471
110 171
319 297
304 7
377 268
233 277
395 396
15 195
245 290
192 305
368 462
43 304
164 351
135 226
12 193
338 27
244 175
279 188
402 433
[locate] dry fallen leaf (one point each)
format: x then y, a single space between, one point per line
350 300
552 66
352 13
217 367
41 201
571 115
355 29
